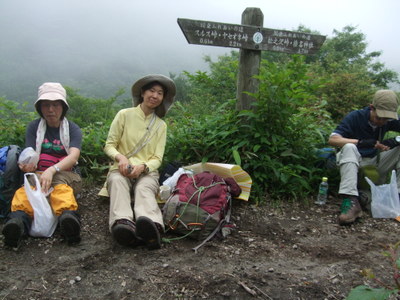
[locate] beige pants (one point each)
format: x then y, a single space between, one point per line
349 160
144 191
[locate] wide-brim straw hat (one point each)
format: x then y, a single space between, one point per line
167 82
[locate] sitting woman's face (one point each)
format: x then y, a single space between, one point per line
153 96
51 111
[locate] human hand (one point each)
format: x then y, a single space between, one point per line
123 165
46 178
136 171
391 143
382 147
367 143
27 168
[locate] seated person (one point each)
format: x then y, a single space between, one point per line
136 143
57 141
359 136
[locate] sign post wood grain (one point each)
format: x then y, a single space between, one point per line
251 38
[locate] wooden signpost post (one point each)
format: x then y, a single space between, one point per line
251 38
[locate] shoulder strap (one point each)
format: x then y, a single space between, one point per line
146 137
224 221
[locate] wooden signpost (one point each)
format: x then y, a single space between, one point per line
251 38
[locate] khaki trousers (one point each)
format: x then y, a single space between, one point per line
349 160
144 191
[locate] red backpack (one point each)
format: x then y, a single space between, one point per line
200 205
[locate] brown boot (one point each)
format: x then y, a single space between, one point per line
124 232
350 210
149 232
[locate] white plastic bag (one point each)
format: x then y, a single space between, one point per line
44 221
171 181
385 199
28 156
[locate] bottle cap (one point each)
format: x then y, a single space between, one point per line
324 178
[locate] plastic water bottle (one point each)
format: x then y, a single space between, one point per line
322 192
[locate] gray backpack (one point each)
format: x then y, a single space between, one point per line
11 177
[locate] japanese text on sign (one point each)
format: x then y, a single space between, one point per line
249 37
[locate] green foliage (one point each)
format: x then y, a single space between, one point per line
346 51
345 55
299 102
195 138
284 129
385 290
86 111
351 75
347 92
182 87
205 92
94 116
271 142
363 292
93 162
13 120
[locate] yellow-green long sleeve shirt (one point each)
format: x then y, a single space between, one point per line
126 131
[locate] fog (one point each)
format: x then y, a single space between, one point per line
90 45
99 46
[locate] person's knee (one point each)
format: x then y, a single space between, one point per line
349 154
349 147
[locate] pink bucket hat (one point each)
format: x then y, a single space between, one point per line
51 91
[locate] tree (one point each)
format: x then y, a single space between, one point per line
350 73
85 111
347 52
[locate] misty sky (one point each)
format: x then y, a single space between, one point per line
142 37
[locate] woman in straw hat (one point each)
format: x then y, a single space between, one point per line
56 143
136 143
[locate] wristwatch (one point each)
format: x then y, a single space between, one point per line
57 168
146 169
397 139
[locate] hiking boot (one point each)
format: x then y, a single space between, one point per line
13 232
70 227
350 210
149 232
124 232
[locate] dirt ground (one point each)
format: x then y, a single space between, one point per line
293 252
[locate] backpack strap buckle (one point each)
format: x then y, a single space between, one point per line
195 226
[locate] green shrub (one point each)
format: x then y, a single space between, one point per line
94 163
13 120
275 142
87 111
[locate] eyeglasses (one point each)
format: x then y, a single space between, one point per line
50 104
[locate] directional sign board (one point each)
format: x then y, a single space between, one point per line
249 37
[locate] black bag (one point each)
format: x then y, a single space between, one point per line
11 177
168 171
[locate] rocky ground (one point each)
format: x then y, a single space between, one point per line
290 252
